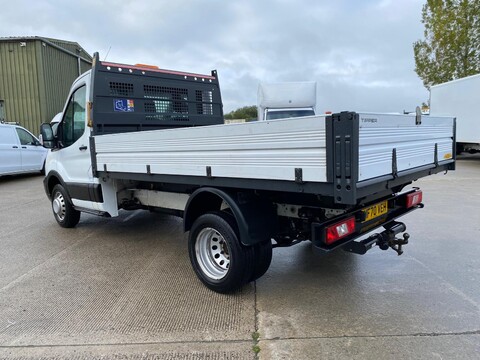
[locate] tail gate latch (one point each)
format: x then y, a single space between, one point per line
385 240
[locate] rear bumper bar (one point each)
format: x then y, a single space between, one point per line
397 208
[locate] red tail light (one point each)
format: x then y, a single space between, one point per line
339 230
414 198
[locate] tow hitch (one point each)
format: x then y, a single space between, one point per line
385 240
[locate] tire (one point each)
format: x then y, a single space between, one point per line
62 208
218 258
263 259
459 149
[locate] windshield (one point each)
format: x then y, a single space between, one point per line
283 114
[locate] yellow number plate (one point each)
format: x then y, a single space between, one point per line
375 211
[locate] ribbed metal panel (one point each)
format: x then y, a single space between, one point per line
414 144
59 70
35 77
254 150
68 45
85 66
19 86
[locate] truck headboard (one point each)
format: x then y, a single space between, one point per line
141 97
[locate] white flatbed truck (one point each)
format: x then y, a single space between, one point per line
137 137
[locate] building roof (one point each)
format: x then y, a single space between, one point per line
70 46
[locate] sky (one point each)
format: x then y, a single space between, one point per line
359 52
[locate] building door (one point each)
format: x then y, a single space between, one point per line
2 110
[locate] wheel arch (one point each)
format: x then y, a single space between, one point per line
53 178
254 215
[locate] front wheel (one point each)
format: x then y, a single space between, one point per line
63 210
218 258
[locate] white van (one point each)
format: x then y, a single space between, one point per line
20 151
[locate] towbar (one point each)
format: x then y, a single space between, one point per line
385 240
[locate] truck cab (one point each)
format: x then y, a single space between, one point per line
69 163
286 100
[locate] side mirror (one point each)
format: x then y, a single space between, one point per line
47 136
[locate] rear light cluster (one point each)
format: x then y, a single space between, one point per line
339 230
413 199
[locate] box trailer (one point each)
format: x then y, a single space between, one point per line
460 98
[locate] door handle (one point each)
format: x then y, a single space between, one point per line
82 148
15 147
24 147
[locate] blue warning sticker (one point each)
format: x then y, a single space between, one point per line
124 105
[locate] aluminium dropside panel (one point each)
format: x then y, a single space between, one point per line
346 157
382 135
255 150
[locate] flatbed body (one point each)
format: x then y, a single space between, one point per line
296 155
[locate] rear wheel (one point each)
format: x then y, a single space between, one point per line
263 258
218 258
63 210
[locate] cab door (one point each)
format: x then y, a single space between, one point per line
10 153
73 161
33 154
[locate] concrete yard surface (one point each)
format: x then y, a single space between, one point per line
123 288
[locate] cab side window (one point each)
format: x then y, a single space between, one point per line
25 137
74 119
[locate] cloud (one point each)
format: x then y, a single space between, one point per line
360 53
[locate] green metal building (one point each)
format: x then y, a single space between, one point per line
35 76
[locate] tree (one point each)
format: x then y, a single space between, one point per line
246 112
451 47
